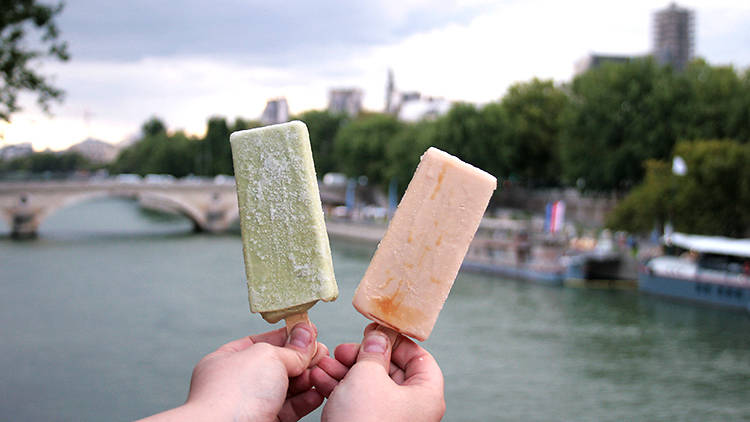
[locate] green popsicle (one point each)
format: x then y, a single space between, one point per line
284 240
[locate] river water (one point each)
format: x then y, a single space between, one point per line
105 315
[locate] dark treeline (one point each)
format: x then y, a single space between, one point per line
614 129
595 133
46 162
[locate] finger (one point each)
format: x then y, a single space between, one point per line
396 374
418 364
275 337
299 349
236 345
346 353
376 349
295 408
322 381
333 368
299 384
321 353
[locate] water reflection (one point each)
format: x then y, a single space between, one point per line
106 313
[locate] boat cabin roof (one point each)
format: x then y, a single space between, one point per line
710 244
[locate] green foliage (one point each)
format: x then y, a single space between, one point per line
614 127
619 115
360 147
46 162
28 33
712 198
714 97
529 145
647 204
215 150
157 152
739 119
403 152
323 127
243 124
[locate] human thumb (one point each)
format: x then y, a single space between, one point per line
375 348
299 348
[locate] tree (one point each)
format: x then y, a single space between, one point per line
158 152
403 152
465 133
715 95
20 20
713 198
46 162
647 205
360 147
323 127
739 119
216 151
532 124
619 115
153 127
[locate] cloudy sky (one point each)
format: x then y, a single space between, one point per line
189 60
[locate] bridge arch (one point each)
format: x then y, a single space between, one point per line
181 207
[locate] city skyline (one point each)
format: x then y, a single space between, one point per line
128 66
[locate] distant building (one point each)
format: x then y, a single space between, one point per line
592 61
416 109
390 91
276 111
95 150
10 152
345 100
673 36
411 106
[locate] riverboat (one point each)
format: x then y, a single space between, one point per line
702 269
602 266
514 249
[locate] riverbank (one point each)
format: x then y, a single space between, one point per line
366 233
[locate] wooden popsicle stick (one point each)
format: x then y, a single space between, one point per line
295 319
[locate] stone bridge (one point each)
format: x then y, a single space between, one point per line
212 207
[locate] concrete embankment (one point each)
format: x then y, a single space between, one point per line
365 233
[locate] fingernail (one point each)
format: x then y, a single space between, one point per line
375 343
300 336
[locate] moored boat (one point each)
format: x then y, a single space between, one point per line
603 266
515 249
702 269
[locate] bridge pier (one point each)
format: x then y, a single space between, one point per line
24 219
24 226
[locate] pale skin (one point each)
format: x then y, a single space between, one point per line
377 381
265 377
269 377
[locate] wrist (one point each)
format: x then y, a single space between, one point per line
203 410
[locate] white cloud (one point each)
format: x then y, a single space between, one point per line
476 61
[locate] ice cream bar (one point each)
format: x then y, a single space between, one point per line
287 256
414 267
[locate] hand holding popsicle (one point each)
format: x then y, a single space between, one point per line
373 381
264 377
388 376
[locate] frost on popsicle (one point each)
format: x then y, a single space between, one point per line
287 256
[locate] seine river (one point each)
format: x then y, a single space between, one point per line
105 314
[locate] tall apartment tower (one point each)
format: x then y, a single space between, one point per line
673 36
